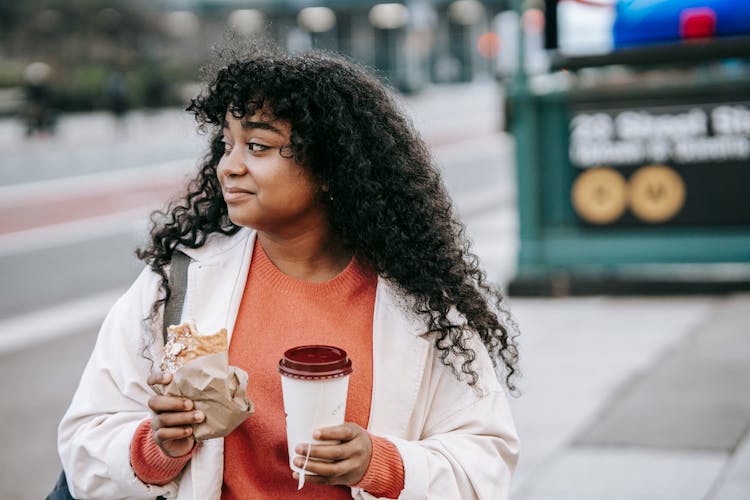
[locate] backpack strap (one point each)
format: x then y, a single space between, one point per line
178 274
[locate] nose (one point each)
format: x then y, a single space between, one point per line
233 164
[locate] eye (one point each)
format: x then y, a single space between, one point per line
254 147
227 146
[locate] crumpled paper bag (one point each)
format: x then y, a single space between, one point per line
217 389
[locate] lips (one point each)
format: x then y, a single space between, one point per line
233 194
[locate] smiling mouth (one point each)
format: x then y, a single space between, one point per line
232 196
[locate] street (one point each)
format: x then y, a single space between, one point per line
597 414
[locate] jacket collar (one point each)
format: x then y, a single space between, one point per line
218 244
219 247
393 301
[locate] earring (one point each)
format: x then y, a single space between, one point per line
327 189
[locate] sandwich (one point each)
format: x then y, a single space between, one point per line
185 343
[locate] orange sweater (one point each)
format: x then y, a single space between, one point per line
278 312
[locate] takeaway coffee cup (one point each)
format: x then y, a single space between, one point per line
314 385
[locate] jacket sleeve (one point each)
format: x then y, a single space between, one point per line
111 401
467 446
466 457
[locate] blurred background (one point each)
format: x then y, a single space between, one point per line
117 55
597 150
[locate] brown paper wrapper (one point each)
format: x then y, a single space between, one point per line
217 389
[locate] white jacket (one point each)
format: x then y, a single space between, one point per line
455 442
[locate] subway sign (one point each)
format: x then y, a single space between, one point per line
686 165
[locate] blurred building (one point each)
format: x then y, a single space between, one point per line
158 46
410 43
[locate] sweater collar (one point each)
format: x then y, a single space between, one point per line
349 279
217 245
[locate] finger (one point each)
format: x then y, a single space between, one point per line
344 432
172 433
314 466
159 378
329 472
159 404
175 419
330 451
178 447
312 479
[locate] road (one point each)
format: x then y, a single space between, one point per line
76 207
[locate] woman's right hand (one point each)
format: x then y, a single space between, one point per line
173 419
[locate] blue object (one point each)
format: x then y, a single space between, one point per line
643 22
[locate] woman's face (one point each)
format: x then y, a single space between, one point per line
263 189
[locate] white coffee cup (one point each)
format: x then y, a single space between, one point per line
314 385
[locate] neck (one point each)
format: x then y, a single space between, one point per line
310 256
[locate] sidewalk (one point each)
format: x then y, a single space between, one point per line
634 398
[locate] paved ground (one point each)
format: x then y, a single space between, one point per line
634 399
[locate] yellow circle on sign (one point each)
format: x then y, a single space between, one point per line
657 193
599 195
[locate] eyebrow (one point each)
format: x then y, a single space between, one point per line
248 125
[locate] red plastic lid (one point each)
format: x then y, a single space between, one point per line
315 362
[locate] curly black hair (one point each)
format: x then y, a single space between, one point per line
387 201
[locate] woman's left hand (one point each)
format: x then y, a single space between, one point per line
348 460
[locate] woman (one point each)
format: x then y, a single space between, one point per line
316 218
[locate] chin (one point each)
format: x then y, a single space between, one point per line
239 220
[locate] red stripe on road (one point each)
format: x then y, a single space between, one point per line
40 213
50 207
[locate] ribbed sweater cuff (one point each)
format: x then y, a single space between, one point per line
149 462
384 477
